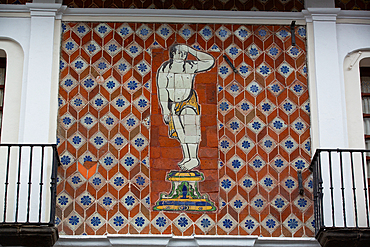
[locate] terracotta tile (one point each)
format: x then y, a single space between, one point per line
124 230
308 232
176 231
230 154
285 214
232 193
264 232
242 232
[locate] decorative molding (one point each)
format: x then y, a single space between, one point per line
324 11
13 8
321 14
180 16
32 9
44 9
355 60
82 241
354 14
335 14
288 242
353 17
231 241
169 240
136 240
16 11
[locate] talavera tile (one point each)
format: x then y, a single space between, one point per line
254 125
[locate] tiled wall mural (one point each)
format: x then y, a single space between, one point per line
135 100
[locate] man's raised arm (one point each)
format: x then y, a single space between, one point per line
206 61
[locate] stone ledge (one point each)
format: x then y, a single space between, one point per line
170 241
27 235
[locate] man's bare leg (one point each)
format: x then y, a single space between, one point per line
194 161
185 153
179 127
192 138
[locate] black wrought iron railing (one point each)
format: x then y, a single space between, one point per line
29 172
340 188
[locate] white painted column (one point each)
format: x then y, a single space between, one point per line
38 123
330 124
36 102
329 91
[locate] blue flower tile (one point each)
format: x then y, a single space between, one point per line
227 223
164 31
186 32
249 224
253 51
235 163
205 223
206 33
118 221
144 32
226 183
102 29
129 161
292 223
225 144
270 223
238 203
223 33
242 33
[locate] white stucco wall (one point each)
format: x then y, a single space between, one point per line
14 34
31 41
353 46
352 38
334 89
336 108
37 32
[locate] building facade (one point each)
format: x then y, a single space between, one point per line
185 123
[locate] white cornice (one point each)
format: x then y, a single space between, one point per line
324 11
44 9
17 11
337 15
13 8
43 6
30 9
169 240
182 16
354 16
321 14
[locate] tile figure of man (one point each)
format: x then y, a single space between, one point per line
179 101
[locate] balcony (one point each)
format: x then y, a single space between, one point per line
27 211
341 197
